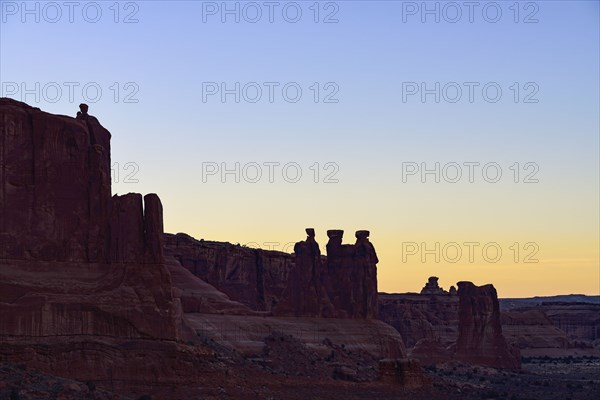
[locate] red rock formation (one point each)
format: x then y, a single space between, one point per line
305 294
55 194
429 324
136 234
533 332
344 285
198 296
432 287
579 320
480 340
55 177
253 277
153 228
440 326
352 276
74 262
538 335
576 316
341 285
418 316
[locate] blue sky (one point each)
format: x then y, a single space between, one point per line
375 50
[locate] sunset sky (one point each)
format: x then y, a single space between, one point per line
386 91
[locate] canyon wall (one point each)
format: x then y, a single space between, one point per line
540 327
419 317
253 277
74 259
341 285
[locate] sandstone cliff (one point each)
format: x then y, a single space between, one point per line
341 285
579 320
81 273
305 292
55 194
534 333
253 277
418 316
438 326
429 321
352 275
480 340
74 260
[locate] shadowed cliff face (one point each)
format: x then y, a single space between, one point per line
480 340
341 285
253 277
55 194
352 275
421 316
440 325
55 190
73 259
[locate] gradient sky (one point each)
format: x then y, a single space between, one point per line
369 54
